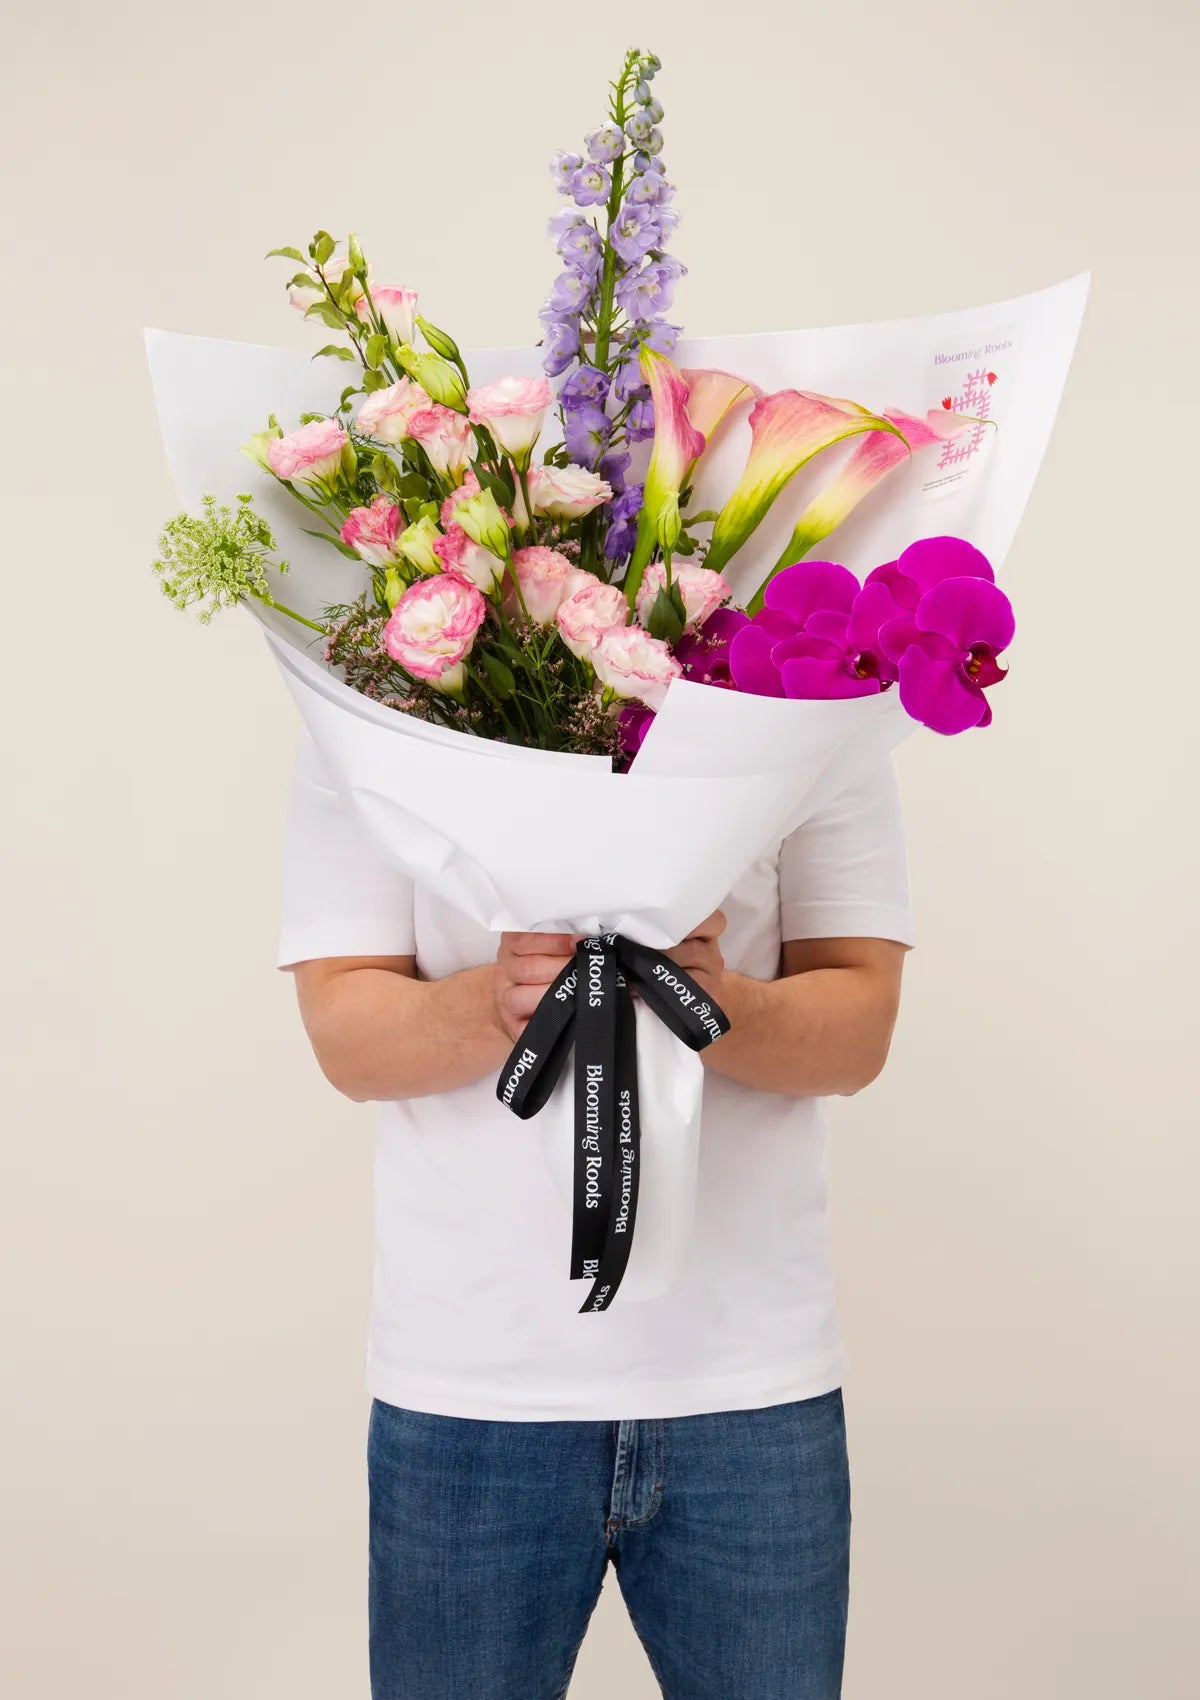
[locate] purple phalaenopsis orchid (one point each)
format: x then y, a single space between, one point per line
932 620
705 654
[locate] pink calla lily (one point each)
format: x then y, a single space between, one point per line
712 397
787 430
677 447
872 458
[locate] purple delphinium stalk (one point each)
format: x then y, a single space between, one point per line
622 514
586 432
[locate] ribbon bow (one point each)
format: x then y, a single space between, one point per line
590 1005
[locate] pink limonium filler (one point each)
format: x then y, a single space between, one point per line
813 638
677 447
542 580
631 663
869 462
787 429
386 414
592 609
513 410
702 591
432 629
372 532
310 455
446 438
395 309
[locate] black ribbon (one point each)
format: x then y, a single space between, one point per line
590 1005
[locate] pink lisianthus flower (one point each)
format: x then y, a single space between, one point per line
631 663
469 487
545 578
396 307
310 455
432 630
372 532
385 415
513 410
565 492
445 436
303 296
460 554
702 591
591 609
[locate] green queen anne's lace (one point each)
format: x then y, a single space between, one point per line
216 558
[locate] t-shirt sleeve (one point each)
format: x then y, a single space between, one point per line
844 873
341 897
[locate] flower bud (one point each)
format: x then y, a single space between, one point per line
440 341
437 377
416 543
481 518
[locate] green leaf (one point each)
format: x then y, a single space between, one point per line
336 350
685 545
667 615
327 314
302 280
412 484
323 246
499 677
374 381
377 347
284 254
342 548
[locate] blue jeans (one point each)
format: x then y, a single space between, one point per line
729 1535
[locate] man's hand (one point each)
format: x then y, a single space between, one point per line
700 954
526 964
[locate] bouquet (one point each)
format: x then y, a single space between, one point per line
549 624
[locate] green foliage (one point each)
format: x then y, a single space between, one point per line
667 615
217 557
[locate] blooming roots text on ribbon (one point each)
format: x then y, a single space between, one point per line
590 1005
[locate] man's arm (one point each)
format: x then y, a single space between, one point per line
822 1028
380 1033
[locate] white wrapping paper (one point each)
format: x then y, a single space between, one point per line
529 840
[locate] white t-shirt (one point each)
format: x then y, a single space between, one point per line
472 1311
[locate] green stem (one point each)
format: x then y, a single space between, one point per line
269 600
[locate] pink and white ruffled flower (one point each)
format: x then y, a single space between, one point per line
372 532
469 487
513 410
460 554
310 455
545 578
433 628
590 611
701 588
386 414
565 492
445 436
396 307
631 663
302 296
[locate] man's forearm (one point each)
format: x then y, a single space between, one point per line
822 1032
381 1035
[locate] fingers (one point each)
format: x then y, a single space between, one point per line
534 970
710 928
537 944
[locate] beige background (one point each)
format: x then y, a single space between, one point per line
185 1253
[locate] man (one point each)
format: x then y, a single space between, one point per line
696 1440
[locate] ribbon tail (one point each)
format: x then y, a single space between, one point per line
537 1059
595 1097
618 1238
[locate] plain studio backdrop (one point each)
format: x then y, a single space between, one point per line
186 1235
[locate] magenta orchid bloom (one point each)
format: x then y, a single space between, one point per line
946 652
787 430
873 457
924 564
816 636
705 654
